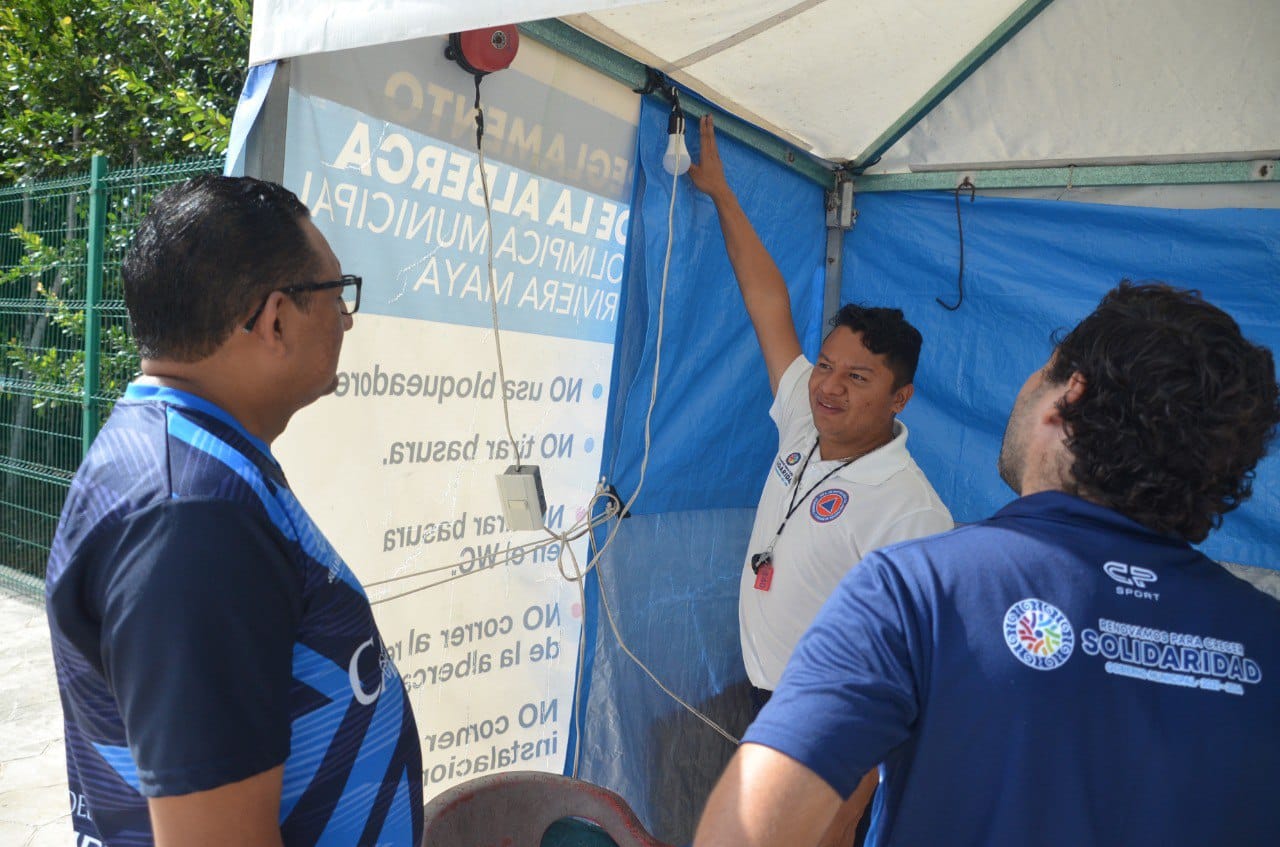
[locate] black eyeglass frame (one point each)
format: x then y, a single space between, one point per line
347 279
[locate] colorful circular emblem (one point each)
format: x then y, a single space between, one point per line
1039 634
792 458
828 505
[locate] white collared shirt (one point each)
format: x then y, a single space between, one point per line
881 498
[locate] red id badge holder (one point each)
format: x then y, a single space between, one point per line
762 565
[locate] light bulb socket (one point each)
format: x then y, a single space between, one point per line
675 123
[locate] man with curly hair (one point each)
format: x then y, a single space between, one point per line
1071 668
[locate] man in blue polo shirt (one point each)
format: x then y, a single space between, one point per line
222 678
1070 669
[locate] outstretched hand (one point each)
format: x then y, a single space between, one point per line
707 173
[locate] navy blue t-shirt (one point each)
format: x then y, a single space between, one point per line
205 631
1056 672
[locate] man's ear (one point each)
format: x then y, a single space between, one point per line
1076 386
1069 395
901 396
268 328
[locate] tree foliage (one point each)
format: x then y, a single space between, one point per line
142 82
52 374
137 80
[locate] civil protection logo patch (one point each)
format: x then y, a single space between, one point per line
1039 634
828 505
792 458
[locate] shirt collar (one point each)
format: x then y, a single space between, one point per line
881 463
1062 507
150 392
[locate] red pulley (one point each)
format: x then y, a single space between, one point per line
482 51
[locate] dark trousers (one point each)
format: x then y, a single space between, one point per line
759 696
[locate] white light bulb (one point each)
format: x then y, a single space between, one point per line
676 160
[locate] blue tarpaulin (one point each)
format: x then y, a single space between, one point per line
1031 267
671 574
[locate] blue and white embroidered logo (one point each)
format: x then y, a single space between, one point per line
1039 634
783 472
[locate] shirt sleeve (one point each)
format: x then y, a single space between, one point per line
198 624
792 396
917 524
850 693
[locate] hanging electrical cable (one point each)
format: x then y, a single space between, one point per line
966 183
595 560
676 161
481 52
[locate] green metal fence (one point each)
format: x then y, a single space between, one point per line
67 353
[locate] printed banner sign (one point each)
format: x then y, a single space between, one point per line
398 466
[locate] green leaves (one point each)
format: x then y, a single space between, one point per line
138 80
37 259
48 359
141 81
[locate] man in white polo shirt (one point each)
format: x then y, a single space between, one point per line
843 483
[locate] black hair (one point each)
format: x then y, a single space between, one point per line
1177 410
207 252
885 332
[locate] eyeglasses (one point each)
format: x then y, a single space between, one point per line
350 297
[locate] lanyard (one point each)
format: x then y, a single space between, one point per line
796 501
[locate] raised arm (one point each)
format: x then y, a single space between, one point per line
763 289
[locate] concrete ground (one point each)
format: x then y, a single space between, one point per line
34 809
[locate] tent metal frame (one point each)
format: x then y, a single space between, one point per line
1077 176
565 39
835 178
975 59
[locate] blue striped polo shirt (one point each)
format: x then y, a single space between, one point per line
204 631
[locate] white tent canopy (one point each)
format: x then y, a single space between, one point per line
283 29
896 86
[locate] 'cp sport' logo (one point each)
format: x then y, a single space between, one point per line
828 505
1039 634
1130 575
